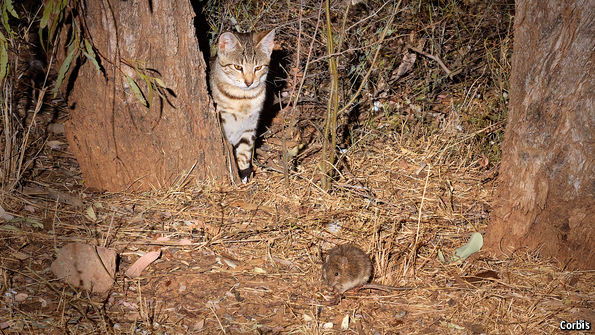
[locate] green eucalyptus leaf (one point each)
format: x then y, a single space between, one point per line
147 81
90 54
9 227
3 61
10 8
45 17
5 22
72 50
441 257
136 90
93 60
160 82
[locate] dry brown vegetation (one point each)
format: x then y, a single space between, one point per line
417 159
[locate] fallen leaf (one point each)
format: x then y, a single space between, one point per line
259 270
406 65
60 196
199 325
54 144
227 261
403 165
295 150
4 215
185 241
90 212
135 269
20 255
86 266
130 305
475 328
345 322
20 297
481 276
137 219
9 227
334 227
474 245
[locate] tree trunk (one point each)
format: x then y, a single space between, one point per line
121 144
545 195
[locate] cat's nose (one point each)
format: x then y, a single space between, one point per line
248 82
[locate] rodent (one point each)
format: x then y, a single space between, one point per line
345 267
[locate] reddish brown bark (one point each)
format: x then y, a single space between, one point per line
545 197
119 143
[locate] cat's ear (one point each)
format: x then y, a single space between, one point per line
265 41
227 42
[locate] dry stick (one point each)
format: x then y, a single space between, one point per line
367 17
413 251
19 170
183 179
435 58
299 47
307 59
7 160
9 141
342 36
465 138
293 83
141 309
26 139
211 307
365 80
333 102
56 291
299 175
328 149
332 107
365 47
99 312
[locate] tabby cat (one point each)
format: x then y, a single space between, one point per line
238 84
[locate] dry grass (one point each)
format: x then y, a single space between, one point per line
414 177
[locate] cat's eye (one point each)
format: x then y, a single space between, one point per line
238 67
258 68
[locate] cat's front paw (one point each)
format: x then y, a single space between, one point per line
245 175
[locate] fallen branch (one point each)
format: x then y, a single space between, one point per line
430 56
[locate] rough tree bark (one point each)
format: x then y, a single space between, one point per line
119 143
545 197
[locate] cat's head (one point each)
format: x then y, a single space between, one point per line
244 58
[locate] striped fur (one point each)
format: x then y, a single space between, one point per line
238 84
